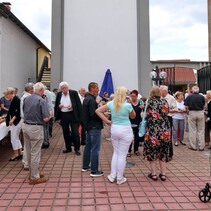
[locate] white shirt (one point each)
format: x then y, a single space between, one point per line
172 103
26 94
81 98
66 102
180 106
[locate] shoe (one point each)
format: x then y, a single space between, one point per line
182 143
45 146
192 148
201 149
96 174
37 181
128 154
137 153
175 144
26 168
15 158
209 147
123 180
85 169
153 177
110 178
162 177
67 150
41 176
77 153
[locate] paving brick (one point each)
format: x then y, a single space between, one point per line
69 189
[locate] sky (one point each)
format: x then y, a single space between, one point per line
178 28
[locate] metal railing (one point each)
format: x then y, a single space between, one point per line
42 69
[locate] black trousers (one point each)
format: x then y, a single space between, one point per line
171 153
137 140
70 130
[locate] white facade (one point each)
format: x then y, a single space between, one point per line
89 37
17 56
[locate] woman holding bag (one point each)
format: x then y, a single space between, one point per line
157 136
121 132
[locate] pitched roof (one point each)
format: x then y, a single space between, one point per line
6 13
184 75
179 75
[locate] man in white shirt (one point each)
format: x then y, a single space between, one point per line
68 109
172 108
28 91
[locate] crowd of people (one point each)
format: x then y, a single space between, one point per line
82 116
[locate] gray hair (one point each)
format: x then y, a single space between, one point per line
195 89
28 86
38 86
164 87
63 83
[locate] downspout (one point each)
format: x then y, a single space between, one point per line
37 50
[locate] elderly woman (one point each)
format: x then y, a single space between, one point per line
121 132
5 101
13 120
157 137
178 119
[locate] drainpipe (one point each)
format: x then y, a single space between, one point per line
37 50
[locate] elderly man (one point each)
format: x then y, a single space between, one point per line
36 113
172 109
195 106
68 109
28 91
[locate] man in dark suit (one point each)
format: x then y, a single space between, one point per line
68 109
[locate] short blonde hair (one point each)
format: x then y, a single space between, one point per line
119 97
9 90
177 94
155 92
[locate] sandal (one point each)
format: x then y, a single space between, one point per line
128 154
153 177
137 153
162 177
182 143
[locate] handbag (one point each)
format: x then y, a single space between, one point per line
142 125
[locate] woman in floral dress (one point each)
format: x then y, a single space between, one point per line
157 137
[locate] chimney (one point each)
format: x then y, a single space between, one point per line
7 5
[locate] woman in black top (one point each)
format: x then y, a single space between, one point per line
137 106
13 120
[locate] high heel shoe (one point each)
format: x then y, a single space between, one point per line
15 158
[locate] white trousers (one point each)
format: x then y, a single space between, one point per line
121 137
15 132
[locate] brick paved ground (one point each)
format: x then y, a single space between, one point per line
70 189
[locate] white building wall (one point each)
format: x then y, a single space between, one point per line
100 35
18 56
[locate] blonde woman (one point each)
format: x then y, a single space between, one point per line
178 119
121 132
5 101
13 120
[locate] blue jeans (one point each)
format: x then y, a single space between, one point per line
178 124
92 149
